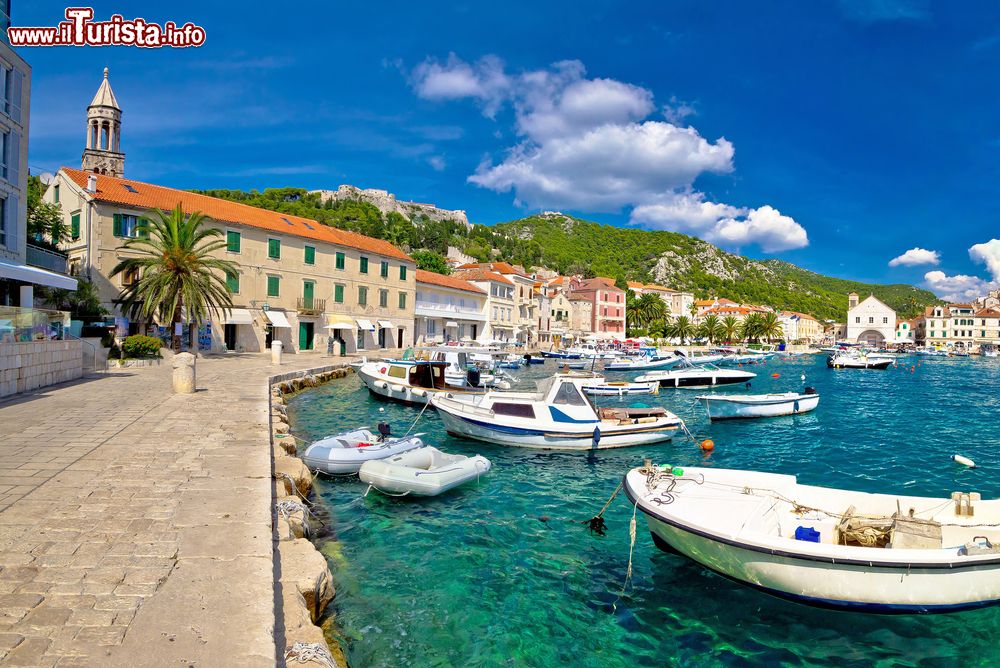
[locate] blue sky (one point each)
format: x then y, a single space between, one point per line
835 135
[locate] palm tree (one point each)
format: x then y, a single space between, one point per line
730 328
680 328
711 328
644 310
176 269
750 329
770 326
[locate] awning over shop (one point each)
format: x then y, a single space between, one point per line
22 272
451 323
385 324
277 318
239 316
366 325
339 322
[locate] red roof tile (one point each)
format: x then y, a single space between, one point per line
452 282
482 275
148 196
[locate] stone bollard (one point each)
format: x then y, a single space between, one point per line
276 352
184 376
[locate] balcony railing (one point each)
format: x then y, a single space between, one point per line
24 325
43 258
310 305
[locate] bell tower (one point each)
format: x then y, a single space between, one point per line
103 154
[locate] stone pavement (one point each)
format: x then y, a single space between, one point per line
135 525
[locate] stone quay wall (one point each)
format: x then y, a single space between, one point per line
28 366
303 582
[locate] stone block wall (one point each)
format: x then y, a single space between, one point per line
28 366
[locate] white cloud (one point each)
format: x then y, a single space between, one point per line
916 256
989 254
437 163
588 144
959 288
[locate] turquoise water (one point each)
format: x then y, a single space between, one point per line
501 573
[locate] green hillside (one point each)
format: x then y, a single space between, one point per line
573 246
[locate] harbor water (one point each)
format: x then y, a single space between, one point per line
504 572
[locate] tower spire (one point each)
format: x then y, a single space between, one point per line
103 153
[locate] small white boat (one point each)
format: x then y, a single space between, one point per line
858 361
605 389
345 453
731 406
573 364
826 547
556 417
422 472
701 358
641 363
931 352
992 353
691 375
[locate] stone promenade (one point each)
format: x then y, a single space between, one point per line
135 525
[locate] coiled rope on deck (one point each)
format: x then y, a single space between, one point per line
304 652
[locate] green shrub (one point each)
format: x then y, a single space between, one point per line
141 346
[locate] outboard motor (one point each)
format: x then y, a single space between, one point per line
384 430
810 390
473 377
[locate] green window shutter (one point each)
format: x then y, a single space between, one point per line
340 260
362 296
383 298
402 272
233 282
364 265
307 291
232 241
274 249
310 255
384 273
143 228
338 293
74 226
55 193
116 225
402 300
272 286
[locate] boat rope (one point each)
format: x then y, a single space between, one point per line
304 652
596 523
295 491
286 507
382 491
631 551
419 415
686 430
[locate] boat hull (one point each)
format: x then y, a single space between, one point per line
701 381
480 430
721 409
878 364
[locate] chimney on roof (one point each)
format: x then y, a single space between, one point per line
852 300
92 183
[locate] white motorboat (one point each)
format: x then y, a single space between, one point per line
990 352
931 352
411 382
731 406
826 547
557 416
422 472
641 363
590 351
345 453
573 364
858 361
700 358
606 389
691 375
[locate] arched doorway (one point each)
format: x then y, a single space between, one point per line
871 337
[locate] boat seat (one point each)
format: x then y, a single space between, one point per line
614 414
914 534
646 412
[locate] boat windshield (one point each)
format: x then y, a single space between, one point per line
569 395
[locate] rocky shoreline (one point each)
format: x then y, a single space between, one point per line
303 581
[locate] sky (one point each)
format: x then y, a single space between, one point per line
853 138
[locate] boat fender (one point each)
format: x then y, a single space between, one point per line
417 392
398 388
381 384
965 461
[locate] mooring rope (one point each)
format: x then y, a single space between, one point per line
596 523
419 415
295 491
304 652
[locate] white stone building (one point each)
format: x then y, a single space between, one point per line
871 321
448 309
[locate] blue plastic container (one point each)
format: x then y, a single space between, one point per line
807 534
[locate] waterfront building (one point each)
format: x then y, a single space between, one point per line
500 306
870 321
448 308
797 326
581 320
905 334
525 307
958 325
607 305
678 303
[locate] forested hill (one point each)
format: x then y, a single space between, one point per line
570 245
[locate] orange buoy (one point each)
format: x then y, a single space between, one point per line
707 445
775 375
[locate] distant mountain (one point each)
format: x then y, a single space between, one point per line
686 263
572 245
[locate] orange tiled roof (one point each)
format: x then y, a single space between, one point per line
988 313
704 302
499 267
148 196
447 281
482 275
635 284
720 310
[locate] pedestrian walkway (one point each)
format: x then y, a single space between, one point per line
135 525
